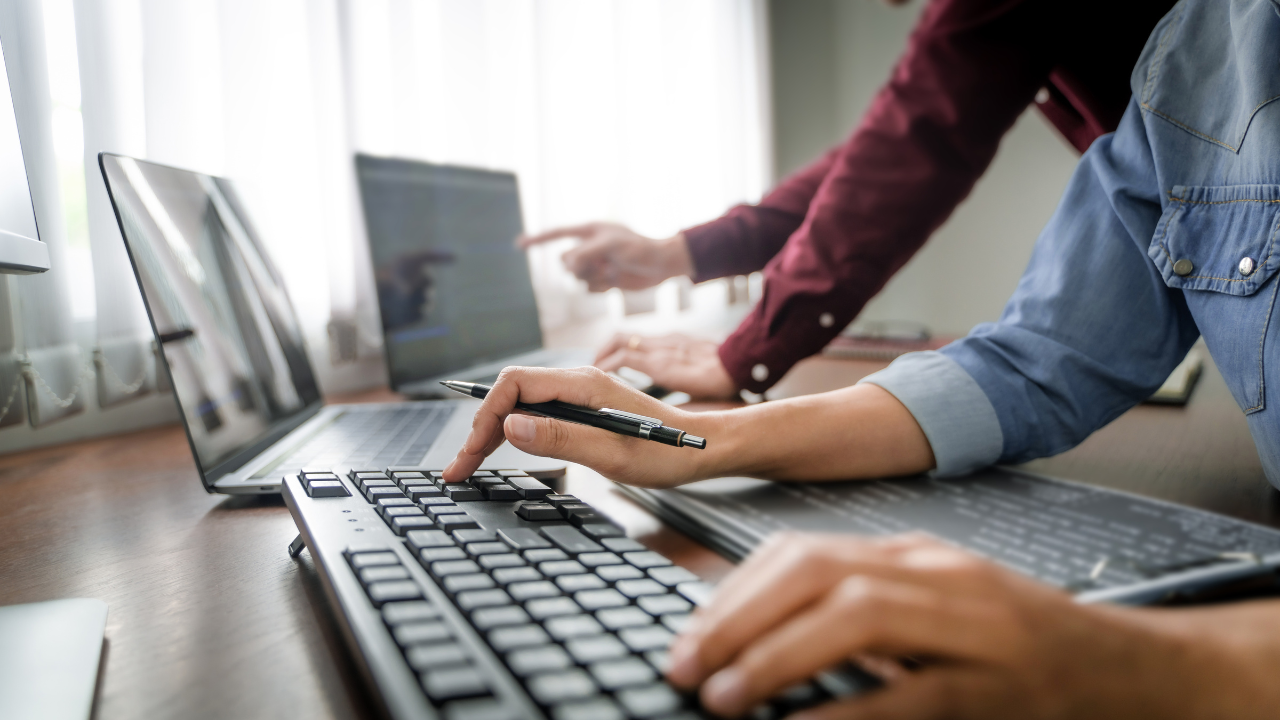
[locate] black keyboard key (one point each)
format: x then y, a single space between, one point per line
456 522
375 494
419 539
416 633
672 575
572 626
492 617
554 688
453 567
592 600
645 559
395 511
601 530
517 636
484 477
545 554
404 475
451 683
327 489
433 500
614 573
574 583
506 560
473 599
404 524
570 539
652 637
535 511
533 590
595 648
664 604
413 611
425 657
500 492
595 559
601 708
430 555
523 538
391 502
544 608
638 588
650 701
529 488
367 475
439 511
618 674
540 659
508 575
559 500
366 484
476 581
380 573
461 492
418 492
309 475
561 567
486 548
622 544
624 617
369 559
470 536
582 521
568 510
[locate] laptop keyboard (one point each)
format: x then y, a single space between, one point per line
373 437
498 598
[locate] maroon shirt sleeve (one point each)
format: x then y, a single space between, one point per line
970 68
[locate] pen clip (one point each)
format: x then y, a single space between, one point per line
632 417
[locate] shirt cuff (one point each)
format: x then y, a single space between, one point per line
956 416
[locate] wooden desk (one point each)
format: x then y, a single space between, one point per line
210 618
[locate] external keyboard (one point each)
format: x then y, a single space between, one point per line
497 598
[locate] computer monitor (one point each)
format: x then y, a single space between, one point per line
21 252
453 289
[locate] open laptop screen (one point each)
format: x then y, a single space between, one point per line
231 340
453 289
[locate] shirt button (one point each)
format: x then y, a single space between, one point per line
826 320
1183 267
1246 266
759 373
1042 96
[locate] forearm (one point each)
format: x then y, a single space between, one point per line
857 432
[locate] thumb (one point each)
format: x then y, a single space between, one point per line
547 437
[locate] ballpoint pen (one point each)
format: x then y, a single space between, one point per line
623 423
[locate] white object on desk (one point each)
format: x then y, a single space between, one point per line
49 654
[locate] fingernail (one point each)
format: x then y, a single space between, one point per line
521 428
725 691
682 663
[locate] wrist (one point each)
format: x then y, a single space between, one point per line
675 258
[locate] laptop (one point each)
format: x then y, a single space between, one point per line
454 291
234 352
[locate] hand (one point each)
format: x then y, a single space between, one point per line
676 362
617 457
983 642
612 255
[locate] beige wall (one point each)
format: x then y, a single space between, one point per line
829 57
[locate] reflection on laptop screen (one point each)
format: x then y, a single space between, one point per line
231 339
453 288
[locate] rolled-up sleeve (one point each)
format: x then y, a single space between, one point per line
955 414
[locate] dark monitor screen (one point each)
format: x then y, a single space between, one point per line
453 289
231 339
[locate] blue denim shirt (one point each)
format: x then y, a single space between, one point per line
1167 230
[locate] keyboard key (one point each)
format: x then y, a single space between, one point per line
430 555
369 559
424 657
558 687
572 626
404 524
327 489
418 492
459 583
486 548
481 709
544 608
595 648
676 622
664 604
421 632
698 593
378 573
434 500
601 530
535 511
640 639
472 599
507 575
385 503
308 475
645 559
559 500
461 492
544 554
395 511
561 567
531 590
672 575
367 475
596 709
492 617
374 494
651 701
413 611
623 617
622 544
500 492
517 636
570 539
522 538
574 583
392 590
419 539
484 477
637 588
453 567
659 659
618 674
366 484
592 600
440 510
614 573
531 661
529 488
451 683
568 510
407 475
506 560
471 536
595 559
456 522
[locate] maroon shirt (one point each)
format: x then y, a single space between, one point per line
831 235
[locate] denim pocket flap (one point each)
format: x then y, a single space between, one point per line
1221 239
